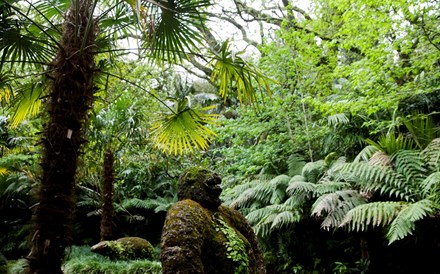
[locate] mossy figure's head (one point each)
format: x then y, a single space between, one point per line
201 185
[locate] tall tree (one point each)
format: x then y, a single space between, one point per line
70 98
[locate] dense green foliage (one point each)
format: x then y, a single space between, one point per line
336 167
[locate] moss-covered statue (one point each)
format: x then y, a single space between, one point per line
202 236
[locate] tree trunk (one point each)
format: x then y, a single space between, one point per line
71 97
107 197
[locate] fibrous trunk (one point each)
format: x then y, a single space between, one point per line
71 96
107 197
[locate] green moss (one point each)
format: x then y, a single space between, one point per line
194 241
128 248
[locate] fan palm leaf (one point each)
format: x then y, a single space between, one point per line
171 28
183 128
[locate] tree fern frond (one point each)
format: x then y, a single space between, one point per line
330 186
366 153
380 158
135 203
431 184
229 195
295 164
285 218
377 214
313 170
303 188
404 223
410 165
245 199
335 205
431 154
382 179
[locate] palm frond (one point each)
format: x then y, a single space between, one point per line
178 132
390 143
231 71
404 223
172 27
27 102
377 214
337 119
422 129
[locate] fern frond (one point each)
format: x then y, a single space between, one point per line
366 153
410 165
135 203
431 154
246 198
380 158
431 184
335 206
285 218
313 170
267 219
404 223
301 188
382 179
295 164
377 214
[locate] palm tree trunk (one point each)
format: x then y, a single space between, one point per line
71 97
107 197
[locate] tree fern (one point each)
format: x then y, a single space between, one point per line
404 223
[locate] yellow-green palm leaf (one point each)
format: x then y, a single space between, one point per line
180 131
230 70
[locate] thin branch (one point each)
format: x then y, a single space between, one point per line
140 87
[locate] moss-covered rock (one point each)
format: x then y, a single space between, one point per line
127 248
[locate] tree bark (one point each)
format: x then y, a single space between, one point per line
107 197
70 98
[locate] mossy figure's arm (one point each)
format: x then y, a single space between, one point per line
183 237
257 264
